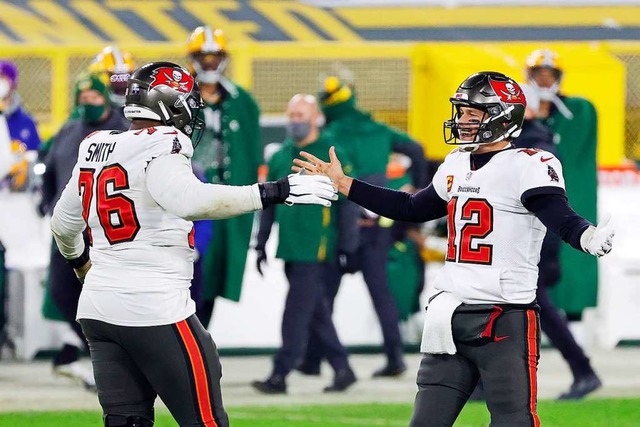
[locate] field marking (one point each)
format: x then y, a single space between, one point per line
323 421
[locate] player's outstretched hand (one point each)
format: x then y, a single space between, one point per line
310 190
598 240
333 169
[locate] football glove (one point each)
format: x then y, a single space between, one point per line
298 189
598 240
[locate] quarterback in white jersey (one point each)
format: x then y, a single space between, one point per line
136 194
483 321
494 242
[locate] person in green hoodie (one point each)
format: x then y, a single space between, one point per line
368 144
308 241
229 153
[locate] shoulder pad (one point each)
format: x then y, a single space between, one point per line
165 140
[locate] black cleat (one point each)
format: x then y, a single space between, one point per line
275 384
390 370
310 369
581 387
342 381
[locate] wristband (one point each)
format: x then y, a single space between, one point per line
81 260
274 192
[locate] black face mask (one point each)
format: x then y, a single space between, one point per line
298 130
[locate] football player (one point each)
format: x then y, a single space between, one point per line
136 194
115 66
230 153
482 321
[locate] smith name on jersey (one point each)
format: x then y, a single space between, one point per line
494 241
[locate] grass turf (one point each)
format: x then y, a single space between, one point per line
588 413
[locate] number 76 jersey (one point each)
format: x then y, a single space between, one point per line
494 241
129 232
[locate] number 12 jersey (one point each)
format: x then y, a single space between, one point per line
493 240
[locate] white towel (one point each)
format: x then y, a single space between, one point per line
437 336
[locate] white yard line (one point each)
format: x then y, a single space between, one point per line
32 387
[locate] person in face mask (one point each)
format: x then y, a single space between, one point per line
230 152
544 75
93 105
369 144
63 289
22 126
573 122
104 71
309 244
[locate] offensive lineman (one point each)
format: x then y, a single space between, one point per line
136 193
483 320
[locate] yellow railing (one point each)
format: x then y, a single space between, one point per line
404 84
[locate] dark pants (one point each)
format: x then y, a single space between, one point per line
508 369
373 253
556 328
307 309
178 362
65 289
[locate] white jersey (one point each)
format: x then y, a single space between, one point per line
142 259
136 193
494 241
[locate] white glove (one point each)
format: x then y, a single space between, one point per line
598 240
310 190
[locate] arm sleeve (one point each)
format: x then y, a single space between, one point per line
67 223
5 148
173 186
422 206
267 218
553 210
348 228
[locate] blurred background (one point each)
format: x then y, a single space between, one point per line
404 59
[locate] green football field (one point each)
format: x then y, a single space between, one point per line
596 413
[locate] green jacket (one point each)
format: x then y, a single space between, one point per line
576 140
367 142
404 268
307 233
224 261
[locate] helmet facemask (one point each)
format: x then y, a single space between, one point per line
501 103
489 129
209 67
118 86
195 126
547 92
